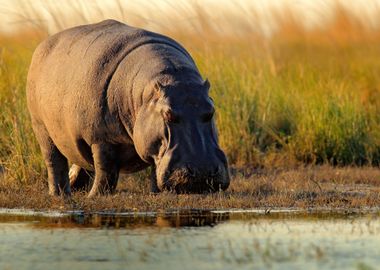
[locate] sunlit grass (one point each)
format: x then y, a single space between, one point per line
300 96
19 152
310 112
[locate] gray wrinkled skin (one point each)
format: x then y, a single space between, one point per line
112 99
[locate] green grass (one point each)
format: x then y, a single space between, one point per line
318 105
298 98
20 156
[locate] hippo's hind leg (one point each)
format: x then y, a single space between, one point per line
80 179
56 163
106 169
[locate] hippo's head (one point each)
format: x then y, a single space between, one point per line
175 130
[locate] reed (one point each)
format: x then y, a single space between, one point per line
297 96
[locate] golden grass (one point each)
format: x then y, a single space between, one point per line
299 96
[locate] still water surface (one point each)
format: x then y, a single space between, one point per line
190 240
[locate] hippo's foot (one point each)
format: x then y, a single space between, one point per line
80 179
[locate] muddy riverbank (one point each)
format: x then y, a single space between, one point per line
305 188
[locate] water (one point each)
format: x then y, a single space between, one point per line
190 240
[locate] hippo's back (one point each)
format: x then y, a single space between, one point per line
69 78
80 61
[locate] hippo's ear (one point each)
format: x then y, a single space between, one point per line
206 84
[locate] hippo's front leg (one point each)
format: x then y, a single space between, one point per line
106 169
153 181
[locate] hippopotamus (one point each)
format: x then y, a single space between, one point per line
109 98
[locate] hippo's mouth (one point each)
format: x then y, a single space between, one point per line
182 182
199 187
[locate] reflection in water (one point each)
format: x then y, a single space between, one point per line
190 240
180 218
183 218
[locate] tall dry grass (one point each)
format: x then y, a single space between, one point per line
299 95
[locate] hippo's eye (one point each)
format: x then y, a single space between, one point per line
207 117
170 117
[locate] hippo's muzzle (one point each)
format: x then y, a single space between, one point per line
193 179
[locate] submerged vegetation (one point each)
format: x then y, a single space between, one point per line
298 96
